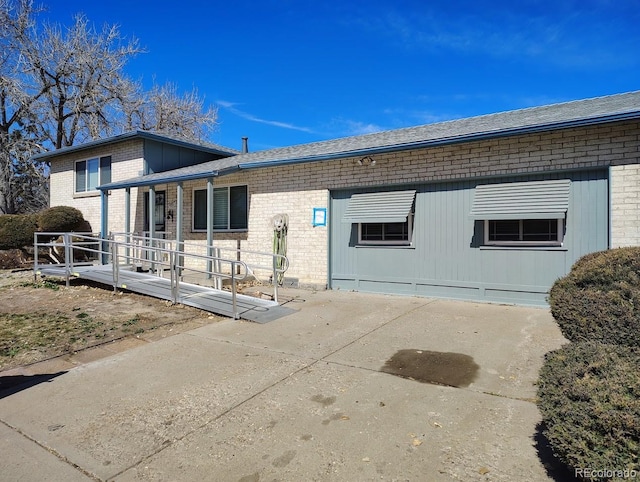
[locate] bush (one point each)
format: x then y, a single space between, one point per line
599 300
60 219
590 402
16 230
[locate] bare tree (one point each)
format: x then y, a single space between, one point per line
164 110
64 86
18 137
80 72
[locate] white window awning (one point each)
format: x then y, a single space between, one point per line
522 200
379 207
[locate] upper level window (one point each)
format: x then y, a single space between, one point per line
92 173
230 209
524 231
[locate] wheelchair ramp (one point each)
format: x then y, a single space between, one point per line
202 297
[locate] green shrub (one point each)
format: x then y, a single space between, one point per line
16 230
589 397
60 219
599 300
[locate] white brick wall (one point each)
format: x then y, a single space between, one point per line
126 162
625 202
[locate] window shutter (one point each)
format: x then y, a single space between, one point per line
379 207
522 200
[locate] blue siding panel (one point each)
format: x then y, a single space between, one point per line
447 259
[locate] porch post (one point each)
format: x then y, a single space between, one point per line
209 225
152 212
104 226
152 227
179 225
127 222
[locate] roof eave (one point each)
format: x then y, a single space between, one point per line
144 181
447 140
132 135
141 182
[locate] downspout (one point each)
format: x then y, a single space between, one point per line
329 240
609 208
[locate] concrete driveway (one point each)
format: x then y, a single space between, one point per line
305 397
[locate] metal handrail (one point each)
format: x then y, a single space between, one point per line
276 264
160 254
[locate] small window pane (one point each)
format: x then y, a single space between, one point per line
105 170
81 176
372 232
93 176
504 230
396 232
200 209
221 208
238 201
540 230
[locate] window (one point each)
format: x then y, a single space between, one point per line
383 217
530 213
92 173
230 209
524 232
386 233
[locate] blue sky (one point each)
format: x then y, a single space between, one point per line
284 72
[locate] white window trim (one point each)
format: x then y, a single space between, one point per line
90 192
557 242
226 230
408 242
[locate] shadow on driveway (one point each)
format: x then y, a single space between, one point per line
15 383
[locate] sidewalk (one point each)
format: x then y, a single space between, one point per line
301 398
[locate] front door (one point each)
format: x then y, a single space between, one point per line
160 212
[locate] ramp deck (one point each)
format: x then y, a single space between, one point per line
202 297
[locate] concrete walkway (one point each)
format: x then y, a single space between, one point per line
300 398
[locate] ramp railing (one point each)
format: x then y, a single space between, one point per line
157 256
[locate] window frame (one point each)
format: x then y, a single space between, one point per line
102 170
228 229
557 242
392 242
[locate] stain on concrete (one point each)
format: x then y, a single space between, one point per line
439 368
324 401
284 459
250 478
334 417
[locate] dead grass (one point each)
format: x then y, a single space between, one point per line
44 319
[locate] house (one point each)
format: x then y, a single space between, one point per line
489 208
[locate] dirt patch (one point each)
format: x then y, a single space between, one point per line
44 319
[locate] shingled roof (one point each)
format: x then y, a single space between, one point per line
139 134
535 119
